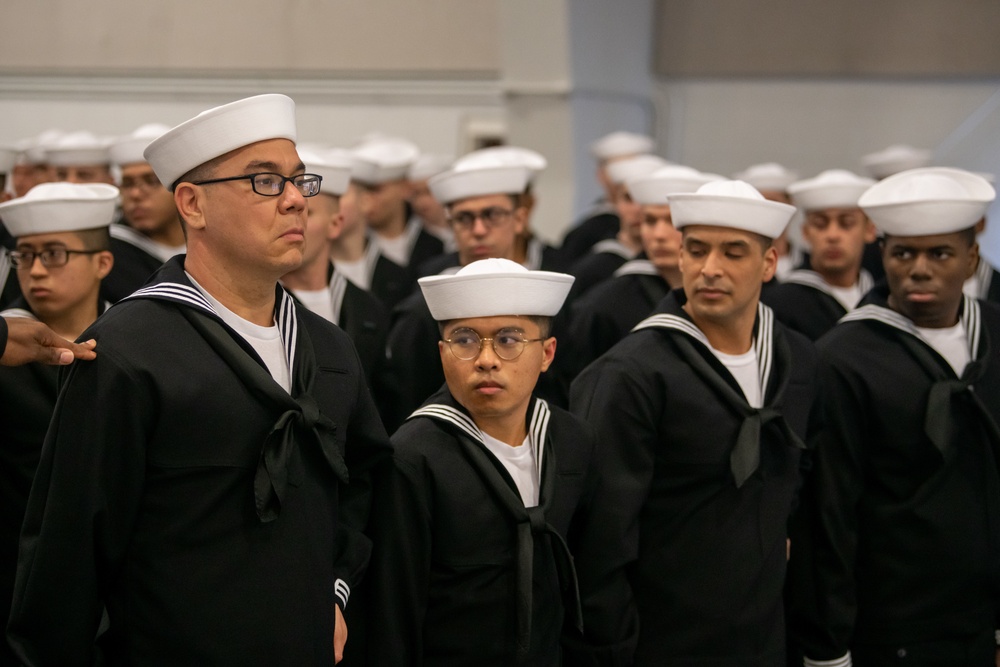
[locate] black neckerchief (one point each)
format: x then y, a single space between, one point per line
301 420
939 422
444 409
745 457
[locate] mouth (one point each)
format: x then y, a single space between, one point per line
711 293
296 234
918 296
40 292
489 388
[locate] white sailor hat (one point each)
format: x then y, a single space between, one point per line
60 207
834 188
631 168
465 181
33 148
767 176
219 130
429 164
382 159
895 159
8 158
78 148
665 181
492 287
734 204
621 144
504 156
333 165
128 149
931 200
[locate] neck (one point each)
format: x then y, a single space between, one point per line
846 278
349 246
520 249
248 295
731 336
509 428
73 322
395 225
672 275
171 235
626 240
311 276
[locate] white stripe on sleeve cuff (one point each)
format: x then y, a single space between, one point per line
845 661
342 591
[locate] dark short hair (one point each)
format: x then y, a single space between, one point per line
95 239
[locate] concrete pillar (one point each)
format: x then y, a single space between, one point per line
572 71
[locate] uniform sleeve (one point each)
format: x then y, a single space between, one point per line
825 624
80 512
613 399
401 533
413 367
367 446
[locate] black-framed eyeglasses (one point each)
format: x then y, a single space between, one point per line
272 185
491 217
466 344
50 257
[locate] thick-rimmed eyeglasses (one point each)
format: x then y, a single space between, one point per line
491 217
466 344
272 185
50 257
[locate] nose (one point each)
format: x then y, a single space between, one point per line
479 227
37 268
712 267
920 267
292 199
487 358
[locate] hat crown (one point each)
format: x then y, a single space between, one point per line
502 156
64 191
735 189
491 265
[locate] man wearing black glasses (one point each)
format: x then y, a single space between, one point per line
483 210
471 565
209 518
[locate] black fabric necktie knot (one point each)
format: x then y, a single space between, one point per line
297 424
745 457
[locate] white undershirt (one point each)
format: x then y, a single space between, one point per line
950 343
746 370
520 463
356 272
266 341
397 249
318 301
848 297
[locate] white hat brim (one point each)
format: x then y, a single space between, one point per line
535 293
759 216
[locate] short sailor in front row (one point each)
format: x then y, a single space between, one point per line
470 563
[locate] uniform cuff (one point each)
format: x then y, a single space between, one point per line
342 591
844 661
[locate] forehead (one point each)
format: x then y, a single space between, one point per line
712 235
657 210
479 203
487 326
270 154
954 239
833 212
136 169
41 240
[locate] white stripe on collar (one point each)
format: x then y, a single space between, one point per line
533 254
285 316
142 242
613 247
970 320
5 268
984 276
19 312
338 287
814 280
538 425
636 267
372 254
763 341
